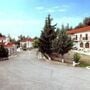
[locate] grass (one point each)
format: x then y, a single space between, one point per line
84 60
83 64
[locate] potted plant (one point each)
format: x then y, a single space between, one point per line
76 58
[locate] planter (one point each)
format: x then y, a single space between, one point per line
75 64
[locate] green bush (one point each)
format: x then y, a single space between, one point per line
76 57
36 43
3 51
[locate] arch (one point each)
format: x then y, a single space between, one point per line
87 45
81 44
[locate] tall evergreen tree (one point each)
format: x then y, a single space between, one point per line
63 43
47 35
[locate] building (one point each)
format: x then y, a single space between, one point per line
27 43
9 45
11 48
81 37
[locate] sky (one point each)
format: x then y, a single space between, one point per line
27 17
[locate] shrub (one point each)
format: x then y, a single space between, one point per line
3 51
36 43
76 57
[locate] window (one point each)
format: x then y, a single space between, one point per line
87 45
76 37
80 35
81 44
86 36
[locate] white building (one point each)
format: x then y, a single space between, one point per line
27 42
81 37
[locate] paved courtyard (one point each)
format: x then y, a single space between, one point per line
26 72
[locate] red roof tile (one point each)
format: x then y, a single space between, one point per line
27 39
78 30
9 44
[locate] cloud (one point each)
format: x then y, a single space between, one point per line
53 9
56 9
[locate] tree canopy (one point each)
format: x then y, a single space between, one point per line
47 35
62 43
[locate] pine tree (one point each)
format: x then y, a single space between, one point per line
63 43
47 35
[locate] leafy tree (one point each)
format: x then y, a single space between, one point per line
63 43
47 36
11 39
68 27
80 25
21 37
36 42
1 35
86 21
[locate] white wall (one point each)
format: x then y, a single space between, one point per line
83 34
78 38
28 44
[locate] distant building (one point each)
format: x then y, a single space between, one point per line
27 42
9 45
11 48
81 37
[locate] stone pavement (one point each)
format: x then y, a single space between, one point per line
26 72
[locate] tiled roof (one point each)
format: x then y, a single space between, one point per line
10 44
27 39
78 30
